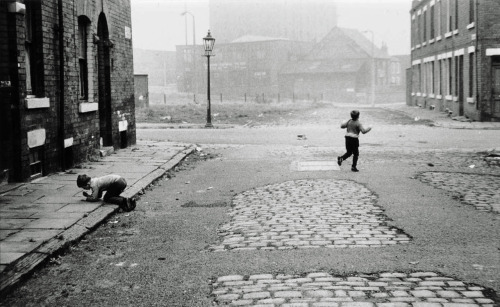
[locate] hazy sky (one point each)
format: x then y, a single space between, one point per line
158 24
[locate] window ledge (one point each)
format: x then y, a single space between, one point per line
424 44
419 94
439 96
413 94
471 100
431 41
418 46
448 34
455 32
85 107
471 25
455 99
37 103
438 38
431 96
448 97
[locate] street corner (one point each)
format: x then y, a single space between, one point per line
307 214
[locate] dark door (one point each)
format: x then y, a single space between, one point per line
104 79
460 85
495 99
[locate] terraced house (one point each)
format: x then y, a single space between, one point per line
66 83
456 57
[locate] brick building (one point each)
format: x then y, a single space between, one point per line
66 83
338 68
249 66
456 57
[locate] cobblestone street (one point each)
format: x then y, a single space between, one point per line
307 214
321 289
478 190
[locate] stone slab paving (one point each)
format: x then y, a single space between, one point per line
478 190
321 289
307 214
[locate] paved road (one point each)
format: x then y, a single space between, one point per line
247 227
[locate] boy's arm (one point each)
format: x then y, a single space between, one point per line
343 125
363 129
94 196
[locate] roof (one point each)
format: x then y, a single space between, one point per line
256 38
327 66
347 44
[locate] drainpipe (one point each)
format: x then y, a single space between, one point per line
61 82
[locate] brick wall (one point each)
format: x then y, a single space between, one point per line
80 138
464 43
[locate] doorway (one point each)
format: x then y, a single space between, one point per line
104 80
460 85
495 90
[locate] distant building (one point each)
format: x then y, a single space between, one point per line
158 65
456 57
297 20
141 91
247 67
66 83
338 68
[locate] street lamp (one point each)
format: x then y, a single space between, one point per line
372 68
208 43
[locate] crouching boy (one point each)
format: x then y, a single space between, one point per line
113 185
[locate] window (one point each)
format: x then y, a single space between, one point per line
471 74
432 77
456 14
424 21
432 17
33 80
472 14
438 14
450 79
440 78
83 24
449 16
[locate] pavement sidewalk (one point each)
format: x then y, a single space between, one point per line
39 218
439 119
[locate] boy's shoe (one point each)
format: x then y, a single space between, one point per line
339 161
133 203
354 169
125 205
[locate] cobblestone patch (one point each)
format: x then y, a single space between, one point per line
307 214
321 289
478 190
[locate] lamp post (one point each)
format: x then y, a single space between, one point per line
208 43
372 68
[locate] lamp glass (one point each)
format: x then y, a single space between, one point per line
209 42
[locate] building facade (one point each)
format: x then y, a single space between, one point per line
456 57
66 83
247 68
339 68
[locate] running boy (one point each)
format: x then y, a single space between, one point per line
113 185
354 127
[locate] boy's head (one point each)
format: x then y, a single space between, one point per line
82 181
354 114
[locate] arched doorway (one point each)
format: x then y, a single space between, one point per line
104 79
